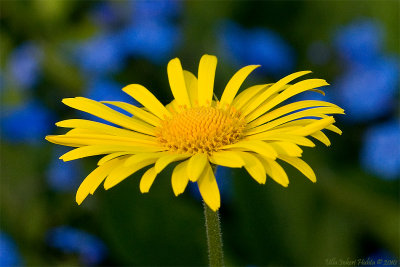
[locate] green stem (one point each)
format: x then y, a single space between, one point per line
214 240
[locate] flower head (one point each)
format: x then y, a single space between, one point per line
245 130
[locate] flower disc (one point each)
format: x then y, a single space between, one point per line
201 130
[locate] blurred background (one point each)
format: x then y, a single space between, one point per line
50 50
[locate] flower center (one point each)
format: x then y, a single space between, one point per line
201 130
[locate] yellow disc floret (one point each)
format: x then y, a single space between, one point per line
201 130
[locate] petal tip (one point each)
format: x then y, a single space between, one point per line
176 193
209 56
107 185
284 183
214 208
79 198
67 100
173 62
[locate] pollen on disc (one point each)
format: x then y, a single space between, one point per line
201 130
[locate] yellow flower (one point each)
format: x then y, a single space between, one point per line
250 130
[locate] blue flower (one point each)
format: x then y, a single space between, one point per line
91 249
360 41
367 91
380 154
24 65
155 10
63 176
256 46
26 123
9 255
151 40
101 54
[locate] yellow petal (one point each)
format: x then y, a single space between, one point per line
173 106
304 122
290 108
248 94
287 148
289 92
282 129
208 188
314 126
177 82
147 180
135 111
253 166
103 128
206 75
227 158
314 112
94 179
118 175
78 131
165 160
276 87
334 129
102 111
53 139
140 157
320 136
275 171
94 150
191 86
147 99
180 179
302 166
110 157
299 140
234 84
256 146
196 165
95 139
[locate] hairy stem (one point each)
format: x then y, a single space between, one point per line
214 240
